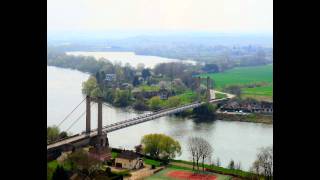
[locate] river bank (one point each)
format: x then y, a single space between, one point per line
254 118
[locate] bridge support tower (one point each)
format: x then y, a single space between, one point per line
208 89
102 139
88 114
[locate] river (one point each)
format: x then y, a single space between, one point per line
231 140
128 57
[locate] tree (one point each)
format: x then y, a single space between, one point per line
218 162
206 110
96 92
155 102
135 81
263 165
173 101
81 161
231 164
128 72
192 147
179 86
122 98
60 174
98 78
89 85
138 148
238 166
146 73
205 150
211 68
163 85
63 134
108 171
199 148
52 133
160 146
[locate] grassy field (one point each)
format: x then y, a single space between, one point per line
114 154
261 91
244 76
187 97
162 175
52 165
149 88
152 162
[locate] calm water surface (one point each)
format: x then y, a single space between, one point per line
129 57
231 140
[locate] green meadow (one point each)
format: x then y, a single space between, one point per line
245 76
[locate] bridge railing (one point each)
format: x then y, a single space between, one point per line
62 139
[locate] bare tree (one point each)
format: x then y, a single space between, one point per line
263 165
218 162
231 164
192 147
200 149
238 166
205 151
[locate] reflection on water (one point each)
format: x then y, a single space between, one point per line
231 140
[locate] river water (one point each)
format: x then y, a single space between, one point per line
239 141
128 57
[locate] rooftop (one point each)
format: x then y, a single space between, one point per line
128 155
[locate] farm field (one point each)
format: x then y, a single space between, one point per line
244 76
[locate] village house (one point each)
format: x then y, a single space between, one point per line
163 93
128 160
110 77
250 107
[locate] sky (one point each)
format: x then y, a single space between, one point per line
160 15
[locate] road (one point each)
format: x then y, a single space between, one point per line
230 96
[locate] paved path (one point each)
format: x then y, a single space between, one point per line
228 95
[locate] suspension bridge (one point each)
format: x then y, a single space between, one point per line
98 137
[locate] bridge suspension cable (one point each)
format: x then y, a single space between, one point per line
74 122
71 112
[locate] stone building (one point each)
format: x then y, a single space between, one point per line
128 160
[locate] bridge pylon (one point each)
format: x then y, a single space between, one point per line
88 114
101 140
208 89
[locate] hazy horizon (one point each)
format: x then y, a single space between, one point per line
214 16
